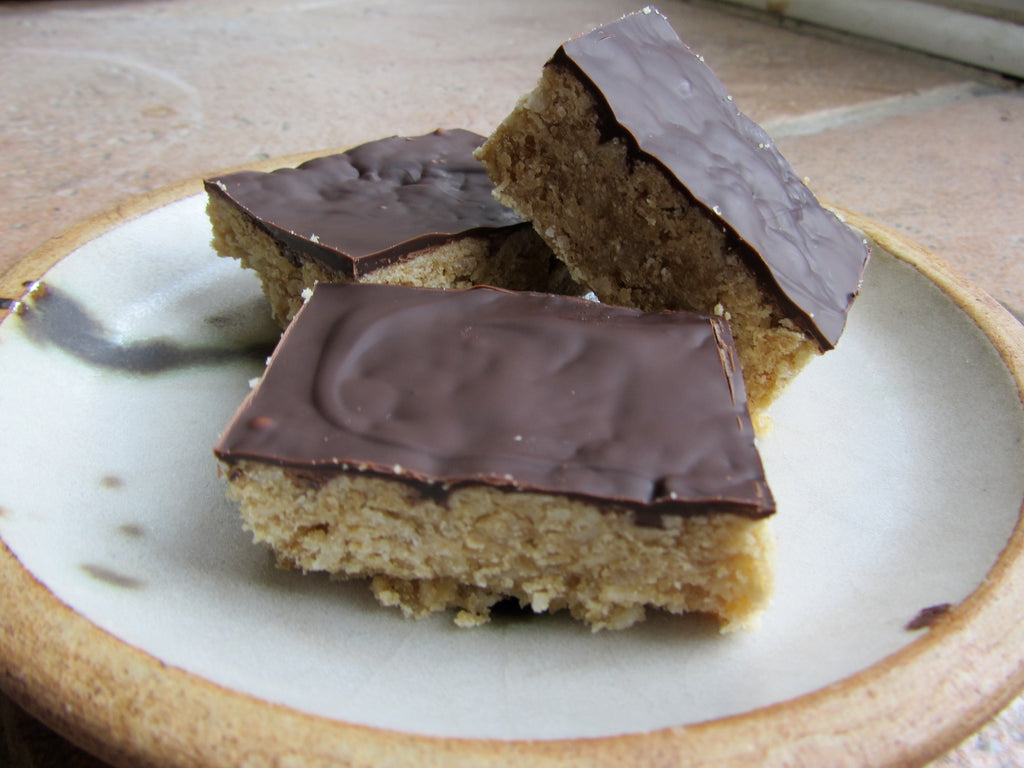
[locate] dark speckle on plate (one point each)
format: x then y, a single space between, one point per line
112 577
926 617
53 316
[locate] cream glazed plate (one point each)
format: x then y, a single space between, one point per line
139 619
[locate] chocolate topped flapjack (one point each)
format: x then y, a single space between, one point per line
410 211
661 97
638 170
520 391
376 203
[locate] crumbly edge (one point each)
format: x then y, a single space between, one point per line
627 233
235 236
480 544
516 260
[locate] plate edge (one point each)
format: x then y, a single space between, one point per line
977 638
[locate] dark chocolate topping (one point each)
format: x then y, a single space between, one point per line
519 390
368 207
673 109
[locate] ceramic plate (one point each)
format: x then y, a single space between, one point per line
140 619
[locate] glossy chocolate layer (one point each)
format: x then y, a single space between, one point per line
659 95
372 205
520 390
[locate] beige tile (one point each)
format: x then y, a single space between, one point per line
111 100
776 71
951 179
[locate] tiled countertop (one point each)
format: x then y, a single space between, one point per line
103 101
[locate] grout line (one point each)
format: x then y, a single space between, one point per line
893 106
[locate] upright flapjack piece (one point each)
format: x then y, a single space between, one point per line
633 162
